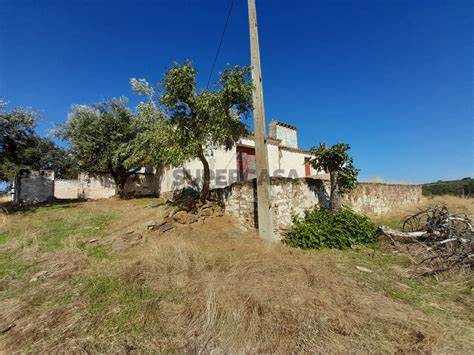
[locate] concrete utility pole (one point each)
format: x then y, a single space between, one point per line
265 225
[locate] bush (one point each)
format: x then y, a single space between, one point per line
321 228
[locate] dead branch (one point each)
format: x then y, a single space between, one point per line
436 239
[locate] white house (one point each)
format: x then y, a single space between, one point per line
285 159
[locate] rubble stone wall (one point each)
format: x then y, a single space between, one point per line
292 196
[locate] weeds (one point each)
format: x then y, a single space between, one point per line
114 304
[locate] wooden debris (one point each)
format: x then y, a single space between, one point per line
436 240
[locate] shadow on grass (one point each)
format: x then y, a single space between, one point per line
14 209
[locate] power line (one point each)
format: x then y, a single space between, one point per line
220 43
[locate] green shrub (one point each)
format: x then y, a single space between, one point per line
321 228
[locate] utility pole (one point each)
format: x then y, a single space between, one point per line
265 225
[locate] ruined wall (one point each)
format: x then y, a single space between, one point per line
377 198
99 186
142 185
286 133
66 189
95 186
34 187
292 196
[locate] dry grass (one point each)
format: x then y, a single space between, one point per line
454 204
204 288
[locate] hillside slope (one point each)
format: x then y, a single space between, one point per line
461 188
90 277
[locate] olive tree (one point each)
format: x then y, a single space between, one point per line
101 138
22 148
337 162
197 119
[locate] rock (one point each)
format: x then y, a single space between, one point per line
191 219
181 217
206 213
152 227
173 211
149 225
363 269
92 241
206 205
6 327
166 228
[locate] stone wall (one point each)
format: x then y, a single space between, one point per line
66 189
98 186
377 198
95 186
34 187
142 185
292 196
40 186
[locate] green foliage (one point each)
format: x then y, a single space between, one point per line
463 187
322 228
195 120
154 144
336 159
101 138
21 148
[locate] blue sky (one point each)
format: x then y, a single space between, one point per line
394 78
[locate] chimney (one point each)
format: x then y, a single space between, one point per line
285 132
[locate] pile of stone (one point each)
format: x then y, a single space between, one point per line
189 213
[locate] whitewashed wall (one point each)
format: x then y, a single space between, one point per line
99 186
66 189
95 187
285 162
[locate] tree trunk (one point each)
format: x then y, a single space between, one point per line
119 179
207 176
335 198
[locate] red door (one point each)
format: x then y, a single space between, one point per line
307 167
246 163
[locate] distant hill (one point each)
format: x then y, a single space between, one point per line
463 187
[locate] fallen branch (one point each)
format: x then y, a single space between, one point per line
397 233
435 238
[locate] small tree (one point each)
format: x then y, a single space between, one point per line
339 165
198 120
101 137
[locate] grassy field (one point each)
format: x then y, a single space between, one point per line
67 283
